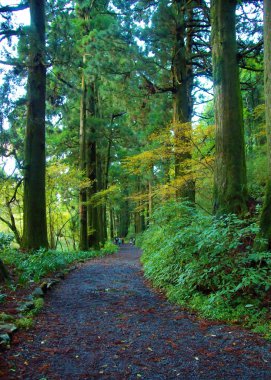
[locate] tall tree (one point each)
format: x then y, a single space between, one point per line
93 212
35 227
182 97
83 165
230 191
265 222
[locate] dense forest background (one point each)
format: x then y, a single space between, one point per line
157 124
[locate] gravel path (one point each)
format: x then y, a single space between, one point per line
105 322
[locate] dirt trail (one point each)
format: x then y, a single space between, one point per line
104 322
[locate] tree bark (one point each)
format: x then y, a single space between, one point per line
52 241
3 272
101 208
182 104
230 190
265 222
150 198
83 241
124 217
140 225
35 226
91 156
111 228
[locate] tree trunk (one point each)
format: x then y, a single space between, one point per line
150 200
35 227
124 218
101 208
112 229
91 154
182 105
230 190
83 243
52 240
140 224
3 272
265 222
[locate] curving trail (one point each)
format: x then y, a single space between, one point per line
105 322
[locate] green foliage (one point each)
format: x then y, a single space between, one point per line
109 248
25 323
35 265
207 263
5 240
38 305
6 317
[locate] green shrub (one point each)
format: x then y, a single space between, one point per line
37 264
5 240
208 263
109 248
6 317
38 305
25 323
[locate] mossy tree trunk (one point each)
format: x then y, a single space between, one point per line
265 222
230 190
182 103
35 226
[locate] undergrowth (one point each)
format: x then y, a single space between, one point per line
209 264
32 266
28 267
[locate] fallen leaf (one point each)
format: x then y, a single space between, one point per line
43 368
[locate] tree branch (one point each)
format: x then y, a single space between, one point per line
13 198
249 68
6 222
10 8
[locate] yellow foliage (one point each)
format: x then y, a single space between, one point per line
192 146
147 159
102 196
59 175
259 111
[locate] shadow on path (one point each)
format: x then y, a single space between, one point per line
104 322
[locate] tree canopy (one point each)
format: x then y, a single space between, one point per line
129 114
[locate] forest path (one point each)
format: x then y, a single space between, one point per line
105 322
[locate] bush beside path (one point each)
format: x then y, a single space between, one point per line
105 322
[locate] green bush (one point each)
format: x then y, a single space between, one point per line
208 263
109 248
37 264
5 240
25 323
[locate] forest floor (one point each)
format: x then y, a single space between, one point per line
106 322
